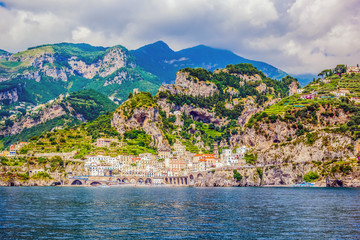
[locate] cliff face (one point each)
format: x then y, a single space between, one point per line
30 120
14 176
293 88
282 174
45 65
285 155
185 84
113 60
11 95
146 118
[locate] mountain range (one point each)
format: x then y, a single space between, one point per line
291 136
159 59
42 73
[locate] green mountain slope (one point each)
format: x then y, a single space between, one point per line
45 72
78 107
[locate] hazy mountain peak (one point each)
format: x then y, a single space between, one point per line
156 48
159 59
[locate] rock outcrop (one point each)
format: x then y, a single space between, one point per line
30 120
186 84
251 78
261 88
143 118
11 95
293 88
113 60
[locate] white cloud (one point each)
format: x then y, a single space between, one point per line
298 36
81 34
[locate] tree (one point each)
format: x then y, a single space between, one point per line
341 68
130 95
311 176
324 73
22 111
163 95
237 175
9 123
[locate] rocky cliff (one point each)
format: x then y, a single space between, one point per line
47 62
189 85
284 174
146 117
11 95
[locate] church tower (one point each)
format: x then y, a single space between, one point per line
216 151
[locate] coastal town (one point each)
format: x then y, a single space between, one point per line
177 162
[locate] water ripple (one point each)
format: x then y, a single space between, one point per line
179 213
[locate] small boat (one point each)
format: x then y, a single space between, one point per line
304 184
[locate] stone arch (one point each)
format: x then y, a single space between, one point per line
171 181
148 181
166 180
95 183
182 181
199 176
186 181
140 180
133 180
76 182
191 180
125 180
56 184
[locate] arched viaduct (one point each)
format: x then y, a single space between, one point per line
174 180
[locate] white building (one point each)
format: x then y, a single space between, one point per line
241 150
100 165
227 157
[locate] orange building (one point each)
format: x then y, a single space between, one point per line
205 161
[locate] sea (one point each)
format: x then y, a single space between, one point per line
179 213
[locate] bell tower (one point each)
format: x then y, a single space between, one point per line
216 151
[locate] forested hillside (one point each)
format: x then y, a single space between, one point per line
74 109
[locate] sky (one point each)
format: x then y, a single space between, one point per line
297 36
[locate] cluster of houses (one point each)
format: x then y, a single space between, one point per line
352 69
177 162
337 93
13 150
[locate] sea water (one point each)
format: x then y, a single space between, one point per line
179 213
